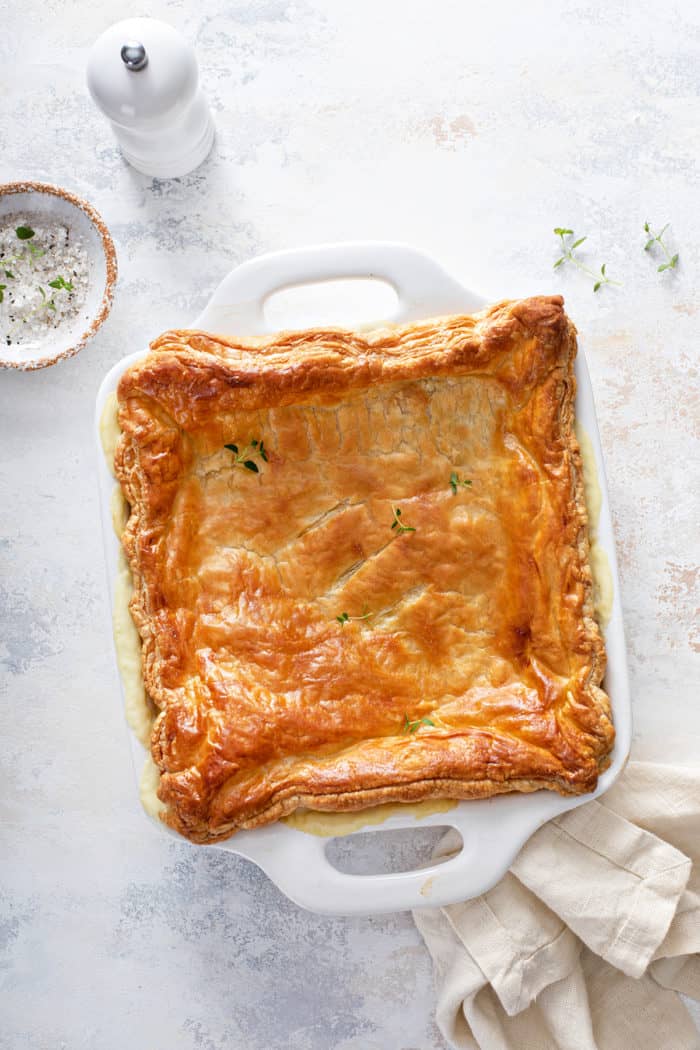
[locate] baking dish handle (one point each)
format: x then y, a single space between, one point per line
423 288
492 830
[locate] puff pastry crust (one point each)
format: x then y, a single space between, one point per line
480 621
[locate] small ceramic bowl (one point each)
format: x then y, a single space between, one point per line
45 202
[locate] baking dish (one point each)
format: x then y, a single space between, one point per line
492 830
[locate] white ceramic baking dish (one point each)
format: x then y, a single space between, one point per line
492 830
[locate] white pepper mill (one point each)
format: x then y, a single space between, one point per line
143 75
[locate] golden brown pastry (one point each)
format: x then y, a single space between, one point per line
300 649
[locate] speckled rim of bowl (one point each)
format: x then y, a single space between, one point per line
8 188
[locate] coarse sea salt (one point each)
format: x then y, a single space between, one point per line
31 308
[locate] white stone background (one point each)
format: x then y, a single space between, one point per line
468 130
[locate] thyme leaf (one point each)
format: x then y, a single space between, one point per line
412 726
398 524
455 482
346 618
61 283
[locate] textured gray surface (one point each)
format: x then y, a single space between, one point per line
469 133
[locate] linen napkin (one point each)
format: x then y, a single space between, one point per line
588 939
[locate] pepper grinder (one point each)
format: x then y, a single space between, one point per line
143 75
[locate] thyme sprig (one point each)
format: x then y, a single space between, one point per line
62 284
49 304
243 456
656 238
455 482
346 618
25 233
398 524
568 248
412 726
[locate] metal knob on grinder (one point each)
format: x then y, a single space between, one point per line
134 56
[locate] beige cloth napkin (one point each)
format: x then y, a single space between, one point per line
589 938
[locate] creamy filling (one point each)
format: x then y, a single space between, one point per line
148 789
328 825
140 713
110 430
603 591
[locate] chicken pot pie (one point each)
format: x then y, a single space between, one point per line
361 566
